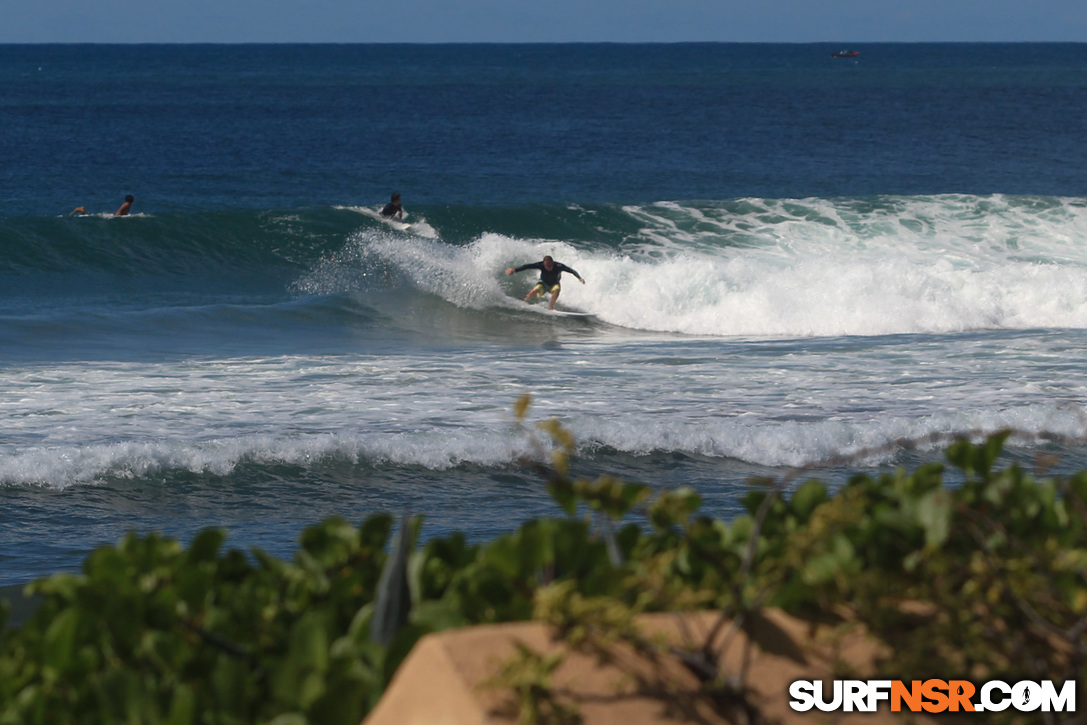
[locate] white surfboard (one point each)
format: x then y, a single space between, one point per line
418 227
543 309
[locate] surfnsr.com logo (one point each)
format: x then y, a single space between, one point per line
933 696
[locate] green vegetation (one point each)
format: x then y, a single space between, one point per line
986 579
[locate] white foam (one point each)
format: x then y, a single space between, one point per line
801 443
78 423
60 466
789 268
827 268
437 447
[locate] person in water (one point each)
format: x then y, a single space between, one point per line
393 208
550 272
125 209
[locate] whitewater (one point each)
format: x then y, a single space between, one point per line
771 332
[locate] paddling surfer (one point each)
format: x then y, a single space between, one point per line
393 209
125 209
550 272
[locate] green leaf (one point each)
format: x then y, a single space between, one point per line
674 507
299 678
806 498
436 616
182 706
934 515
741 528
205 545
60 638
290 718
820 569
374 532
977 460
563 494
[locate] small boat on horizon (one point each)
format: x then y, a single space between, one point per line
845 54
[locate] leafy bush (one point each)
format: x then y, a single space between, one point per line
988 578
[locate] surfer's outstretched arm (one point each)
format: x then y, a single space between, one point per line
523 267
571 270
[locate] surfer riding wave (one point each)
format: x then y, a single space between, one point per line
550 273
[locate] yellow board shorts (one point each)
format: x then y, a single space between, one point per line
542 288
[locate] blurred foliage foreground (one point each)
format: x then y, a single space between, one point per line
987 579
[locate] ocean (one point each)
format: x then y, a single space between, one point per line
792 260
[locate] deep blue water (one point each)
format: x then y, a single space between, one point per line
226 127
789 256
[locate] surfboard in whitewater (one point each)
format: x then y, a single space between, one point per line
418 227
543 309
570 313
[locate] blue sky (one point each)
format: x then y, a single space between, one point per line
509 21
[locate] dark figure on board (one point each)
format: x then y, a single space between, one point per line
125 209
550 272
393 208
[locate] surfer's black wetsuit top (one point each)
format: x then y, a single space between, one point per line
548 277
391 210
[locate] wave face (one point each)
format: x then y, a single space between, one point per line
734 268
